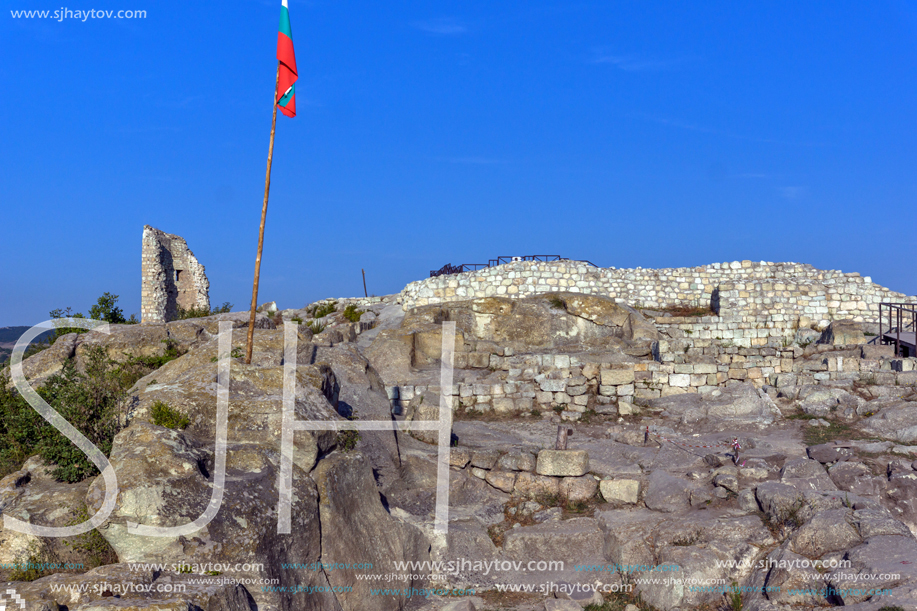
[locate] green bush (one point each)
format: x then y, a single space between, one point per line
352 314
347 440
29 567
90 545
165 415
316 327
89 401
106 309
201 312
320 311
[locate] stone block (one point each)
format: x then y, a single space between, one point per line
580 488
533 486
504 405
562 463
478 360
516 461
501 480
698 379
485 459
574 391
459 457
615 377
680 380
620 490
607 409
553 385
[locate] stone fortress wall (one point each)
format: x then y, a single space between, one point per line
761 306
755 301
172 277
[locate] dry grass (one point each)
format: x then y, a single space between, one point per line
508 600
686 310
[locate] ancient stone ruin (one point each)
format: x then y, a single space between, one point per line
728 436
172 277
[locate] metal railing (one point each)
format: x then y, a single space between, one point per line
902 318
448 268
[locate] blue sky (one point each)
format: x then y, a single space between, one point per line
626 133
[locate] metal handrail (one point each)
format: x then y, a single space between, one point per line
448 268
898 309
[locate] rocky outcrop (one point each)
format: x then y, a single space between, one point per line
739 403
356 529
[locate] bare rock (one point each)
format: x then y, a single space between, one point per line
873 565
843 332
567 540
666 493
855 477
136 591
898 421
826 531
875 522
779 501
39 367
560 604
735 404
351 514
806 474
828 453
791 580
728 481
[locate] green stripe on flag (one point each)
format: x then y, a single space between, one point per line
286 98
285 22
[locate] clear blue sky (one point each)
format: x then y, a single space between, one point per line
626 133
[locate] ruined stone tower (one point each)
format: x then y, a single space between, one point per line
172 277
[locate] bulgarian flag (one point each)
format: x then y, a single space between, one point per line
286 93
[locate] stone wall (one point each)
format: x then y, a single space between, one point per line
172 277
575 384
754 301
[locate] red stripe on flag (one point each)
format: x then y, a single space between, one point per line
290 109
287 75
285 52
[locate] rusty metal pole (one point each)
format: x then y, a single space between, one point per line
267 188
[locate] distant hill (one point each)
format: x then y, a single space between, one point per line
10 335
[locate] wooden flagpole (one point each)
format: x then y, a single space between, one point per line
267 188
